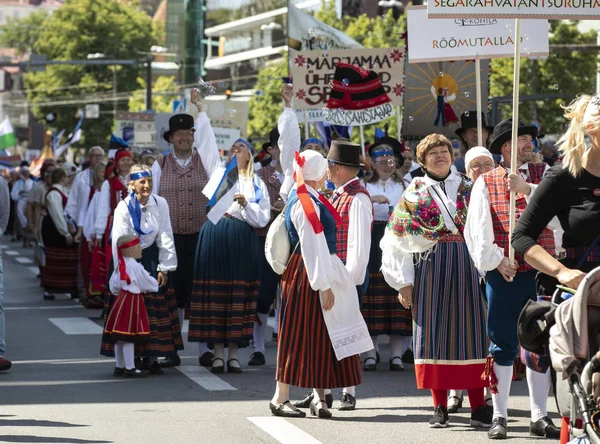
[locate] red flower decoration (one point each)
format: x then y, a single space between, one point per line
396 55
301 94
299 60
398 89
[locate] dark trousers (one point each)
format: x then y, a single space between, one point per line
183 277
268 283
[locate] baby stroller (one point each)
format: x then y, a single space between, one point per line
574 338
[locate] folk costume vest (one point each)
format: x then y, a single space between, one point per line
182 188
497 186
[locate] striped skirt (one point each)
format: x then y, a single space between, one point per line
128 319
165 333
383 313
60 272
305 356
227 275
449 319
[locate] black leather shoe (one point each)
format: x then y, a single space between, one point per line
370 365
231 369
206 360
305 403
155 369
217 368
408 357
347 402
544 427
134 373
454 406
396 364
256 359
318 411
498 429
49 296
174 361
286 410
119 371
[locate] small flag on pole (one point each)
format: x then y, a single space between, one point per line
220 190
7 135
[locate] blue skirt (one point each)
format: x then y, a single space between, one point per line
227 273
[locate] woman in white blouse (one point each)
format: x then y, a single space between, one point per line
147 215
59 275
228 263
425 257
381 310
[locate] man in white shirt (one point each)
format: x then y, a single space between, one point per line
353 203
509 284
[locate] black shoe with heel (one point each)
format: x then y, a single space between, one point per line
231 369
347 402
174 361
305 403
207 358
256 359
217 368
318 411
286 410
370 364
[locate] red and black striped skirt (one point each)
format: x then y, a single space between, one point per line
305 356
128 319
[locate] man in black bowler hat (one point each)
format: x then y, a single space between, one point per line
180 178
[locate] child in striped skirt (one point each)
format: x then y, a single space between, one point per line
127 324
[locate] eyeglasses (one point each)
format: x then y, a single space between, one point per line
477 166
433 154
383 162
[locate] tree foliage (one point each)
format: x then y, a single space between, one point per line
565 72
22 34
164 91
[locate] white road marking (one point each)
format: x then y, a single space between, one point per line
77 326
34 270
47 383
3 246
48 307
11 252
24 260
67 361
186 326
283 431
205 379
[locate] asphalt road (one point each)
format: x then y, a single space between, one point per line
61 390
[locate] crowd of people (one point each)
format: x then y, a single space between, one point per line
409 244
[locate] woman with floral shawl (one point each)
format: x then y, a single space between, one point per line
425 257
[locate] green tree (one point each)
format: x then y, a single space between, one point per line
164 91
566 72
81 27
22 34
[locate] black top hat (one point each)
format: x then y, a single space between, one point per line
356 88
179 122
345 153
468 119
503 133
274 136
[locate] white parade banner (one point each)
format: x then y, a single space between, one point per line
533 9
359 116
466 39
226 137
313 72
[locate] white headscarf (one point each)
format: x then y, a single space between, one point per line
315 165
476 152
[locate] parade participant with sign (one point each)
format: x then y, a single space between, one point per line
146 215
382 313
468 137
227 267
509 285
352 201
320 313
180 177
571 192
272 176
443 288
60 272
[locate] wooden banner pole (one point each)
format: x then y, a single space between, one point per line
362 140
399 122
515 133
478 98
306 126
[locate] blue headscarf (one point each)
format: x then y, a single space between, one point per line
313 140
134 207
245 142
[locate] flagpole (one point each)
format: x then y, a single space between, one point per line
515 134
306 126
362 140
288 41
478 98
399 122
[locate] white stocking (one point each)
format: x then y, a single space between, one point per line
539 385
128 352
259 332
119 359
500 399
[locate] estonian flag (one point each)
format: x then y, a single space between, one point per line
220 191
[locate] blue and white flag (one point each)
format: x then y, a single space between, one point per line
220 190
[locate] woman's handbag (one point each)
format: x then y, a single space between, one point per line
277 245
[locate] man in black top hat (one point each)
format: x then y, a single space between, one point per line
180 178
467 135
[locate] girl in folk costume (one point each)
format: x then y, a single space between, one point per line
228 259
62 256
381 310
127 323
114 189
426 258
321 330
147 215
88 218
